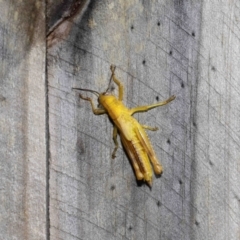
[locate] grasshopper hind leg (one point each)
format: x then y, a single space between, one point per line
139 160
130 152
142 136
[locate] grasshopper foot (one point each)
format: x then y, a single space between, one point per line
112 68
84 98
114 152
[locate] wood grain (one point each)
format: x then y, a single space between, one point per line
22 120
186 48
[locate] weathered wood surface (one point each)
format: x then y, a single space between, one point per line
22 120
160 48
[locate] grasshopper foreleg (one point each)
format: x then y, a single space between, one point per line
120 86
96 111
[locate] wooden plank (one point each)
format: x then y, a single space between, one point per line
22 120
155 46
160 48
216 185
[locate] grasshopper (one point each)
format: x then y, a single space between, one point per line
132 133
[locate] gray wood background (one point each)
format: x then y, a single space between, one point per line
58 180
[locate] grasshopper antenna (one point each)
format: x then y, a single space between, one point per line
112 67
87 90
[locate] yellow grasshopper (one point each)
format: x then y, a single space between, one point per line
132 133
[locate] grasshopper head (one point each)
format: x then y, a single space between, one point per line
105 99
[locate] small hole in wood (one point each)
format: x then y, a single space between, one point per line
197 223
159 204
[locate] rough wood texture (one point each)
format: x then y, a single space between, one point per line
160 48
22 120
215 186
